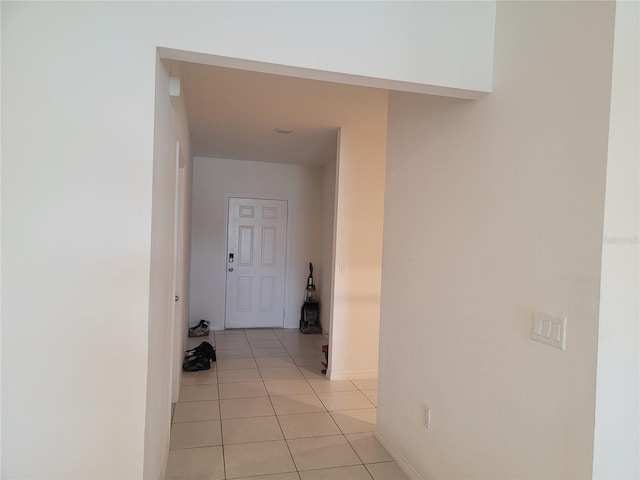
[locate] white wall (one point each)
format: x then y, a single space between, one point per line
77 157
617 446
214 181
78 91
493 209
170 127
355 318
363 43
325 285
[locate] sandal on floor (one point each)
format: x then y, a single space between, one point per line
205 349
198 363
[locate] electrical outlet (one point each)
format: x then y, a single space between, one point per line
426 417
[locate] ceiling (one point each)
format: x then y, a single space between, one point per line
233 114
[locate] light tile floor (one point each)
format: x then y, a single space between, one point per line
265 412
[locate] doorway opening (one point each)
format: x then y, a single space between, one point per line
328 166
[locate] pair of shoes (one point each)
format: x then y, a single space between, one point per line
199 358
205 350
196 363
200 330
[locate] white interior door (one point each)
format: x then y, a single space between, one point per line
256 251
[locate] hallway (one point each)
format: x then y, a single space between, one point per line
265 412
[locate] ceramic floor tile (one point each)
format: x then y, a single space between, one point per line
248 430
355 472
356 421
386 471
308 340
344 400
246 407
194 393
231 345
262 336
196 464
269 352
195 341
196 411
235 353
303 350
195 434
300 403
324 385
297 345
242 390
315 373
235 363
287 373
307 360
202 377
230 334
275 476
308 425
265 343
236 376
372 395
288 334
247 459
231 337
368 448
284 365
366 384
275 362
287 387
322 452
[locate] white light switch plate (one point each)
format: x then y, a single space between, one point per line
549 329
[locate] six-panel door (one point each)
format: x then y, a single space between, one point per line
256 251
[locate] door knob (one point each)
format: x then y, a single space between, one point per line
231 269
177 298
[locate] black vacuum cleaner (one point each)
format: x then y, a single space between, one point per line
310 313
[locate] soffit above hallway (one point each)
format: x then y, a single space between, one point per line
233 114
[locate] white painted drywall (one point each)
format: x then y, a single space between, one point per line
617 448
166 342
355 318
78 91
160 344
328 241
214 181
495 208
363 43
77 154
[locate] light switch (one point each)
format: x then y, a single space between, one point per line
549 329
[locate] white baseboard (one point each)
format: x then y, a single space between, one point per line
397 455
352 375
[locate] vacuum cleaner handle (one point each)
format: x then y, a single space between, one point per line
310 277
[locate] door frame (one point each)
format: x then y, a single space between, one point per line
178 315
286 246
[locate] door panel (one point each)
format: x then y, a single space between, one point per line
256 263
